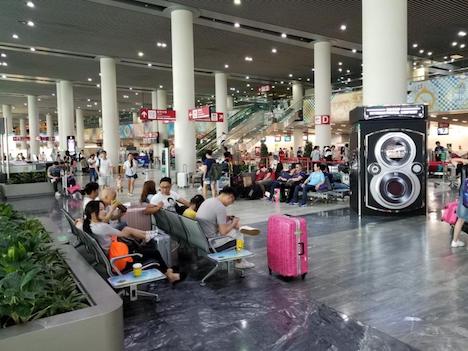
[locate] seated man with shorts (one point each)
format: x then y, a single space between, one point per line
222 230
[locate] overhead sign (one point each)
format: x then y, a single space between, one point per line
201 114
217 117
443 125
157 115
322 119
264 88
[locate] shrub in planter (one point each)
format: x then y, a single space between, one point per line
308 149
27 177
35 281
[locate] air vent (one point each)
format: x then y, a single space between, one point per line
143 4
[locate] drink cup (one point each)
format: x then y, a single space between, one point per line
239 244
137 270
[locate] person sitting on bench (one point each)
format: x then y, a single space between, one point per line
94 224
167 199
313 182
222 230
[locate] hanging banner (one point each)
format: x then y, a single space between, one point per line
201 114
157 115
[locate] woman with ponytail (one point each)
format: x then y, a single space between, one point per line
90 193
130 167
94 224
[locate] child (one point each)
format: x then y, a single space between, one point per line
118 184
195 203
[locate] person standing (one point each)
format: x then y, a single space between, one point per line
92 168
130 168
462 210
104 168
207 175
438 151
315 155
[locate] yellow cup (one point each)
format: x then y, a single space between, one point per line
239 244
137 270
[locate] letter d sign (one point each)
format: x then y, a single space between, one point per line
322 119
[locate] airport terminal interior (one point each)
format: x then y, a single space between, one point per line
233 175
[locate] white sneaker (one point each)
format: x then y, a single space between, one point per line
244 264
57 194
457 243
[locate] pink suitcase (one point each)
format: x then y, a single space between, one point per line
449 214
287 246
136 218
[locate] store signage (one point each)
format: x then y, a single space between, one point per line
264 88
152 135
157 115
443 125
20 138
287 138
217 117
322 119
277 138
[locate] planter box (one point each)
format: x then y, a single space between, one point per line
98 327
11 191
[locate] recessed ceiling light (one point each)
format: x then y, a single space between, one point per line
4 76
89 100
237 2
454 43
282 82
340 63
421 51
247 77
160 87
354 51
226 66
90 79
348 71
130 88
149 65
32 49
463 121
340 69
95 103
455 119
15 36
444 118
462 46
308 79
343 27
429 53
290 75
237 25
140 54
3 54
445 57
98 85
284 35
274 50
125 96
30 4
30 23
136 94
461 33
4 64
415 45
249 58
248 85
415 63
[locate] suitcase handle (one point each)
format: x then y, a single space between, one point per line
301 249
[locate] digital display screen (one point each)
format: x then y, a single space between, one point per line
442 131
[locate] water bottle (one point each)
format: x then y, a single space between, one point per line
277 195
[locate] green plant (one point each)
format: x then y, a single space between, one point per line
27 177
308 149
263 150
34 279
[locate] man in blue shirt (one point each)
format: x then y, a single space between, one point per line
284 176
313 182
298 177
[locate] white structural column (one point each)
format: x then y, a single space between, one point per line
50 130
58 94
67 113
7 114
155 124
183 88
221 104
322 83
33 116
79 129
229 103
22 126
162 105
297 95
298 136
384 51
135 118
110 116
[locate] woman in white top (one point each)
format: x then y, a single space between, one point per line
90 193
130 167
95 214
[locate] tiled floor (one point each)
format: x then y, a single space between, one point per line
396 275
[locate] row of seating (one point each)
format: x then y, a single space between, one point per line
187 231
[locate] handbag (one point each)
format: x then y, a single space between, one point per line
116 249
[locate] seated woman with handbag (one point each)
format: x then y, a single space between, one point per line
106 235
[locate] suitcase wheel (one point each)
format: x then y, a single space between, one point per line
303 276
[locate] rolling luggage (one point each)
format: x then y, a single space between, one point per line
182 178
449 214
287 245
136 218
